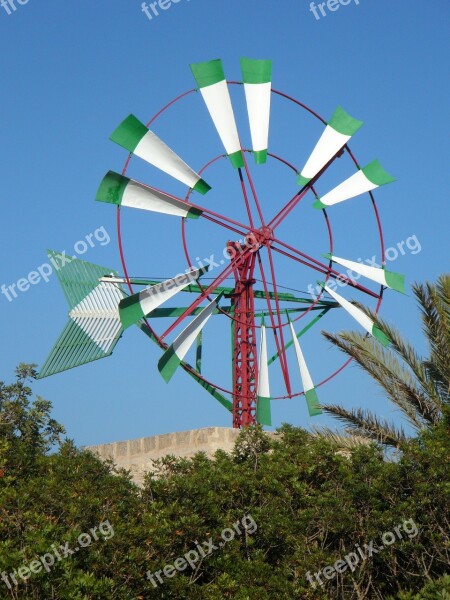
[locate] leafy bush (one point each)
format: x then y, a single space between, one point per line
311 506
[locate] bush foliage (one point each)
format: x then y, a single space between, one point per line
311 503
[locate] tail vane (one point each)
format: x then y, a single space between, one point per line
94 327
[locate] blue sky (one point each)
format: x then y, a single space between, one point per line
71 71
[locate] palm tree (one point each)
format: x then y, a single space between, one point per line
418 386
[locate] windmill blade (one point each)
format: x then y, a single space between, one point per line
137 306
257 75
172 357
211 81
263 412
338 132
312 400
120 190
365 180
395 281
137 139
360 317
94 326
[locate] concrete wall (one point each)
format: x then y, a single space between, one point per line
136 455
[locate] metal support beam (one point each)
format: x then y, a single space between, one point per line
244 361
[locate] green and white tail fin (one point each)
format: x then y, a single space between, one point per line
94 326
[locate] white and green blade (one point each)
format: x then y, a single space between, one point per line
263 411
309 389
135 137
210 78
395 281
94 326
360 317
123 191
365 180
338 132
140 305
175 353
257 78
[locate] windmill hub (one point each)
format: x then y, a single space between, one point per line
264 235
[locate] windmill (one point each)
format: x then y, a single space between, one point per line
246 291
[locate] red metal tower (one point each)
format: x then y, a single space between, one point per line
244 363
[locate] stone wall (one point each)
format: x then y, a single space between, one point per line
136 455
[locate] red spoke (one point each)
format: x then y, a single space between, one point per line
280 216
224 274
333 272
272 320
302 254
280 325
225 225
244 192
208 211
300 260
254 194
211 212
283 213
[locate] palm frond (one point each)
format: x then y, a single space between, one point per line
396 380
418 386
365 424
416 364
434 302
405 351
344 442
